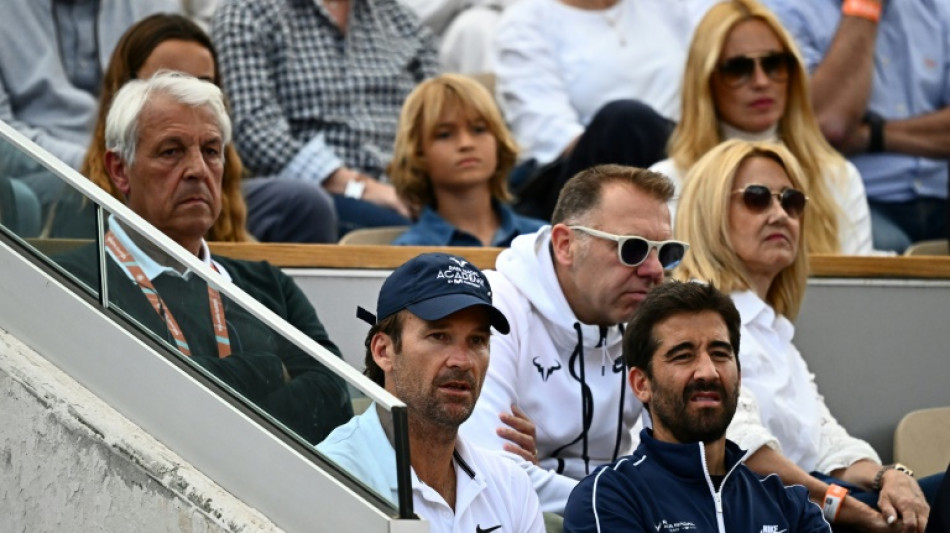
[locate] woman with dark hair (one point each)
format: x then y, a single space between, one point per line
275 211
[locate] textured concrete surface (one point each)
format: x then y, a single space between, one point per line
69 462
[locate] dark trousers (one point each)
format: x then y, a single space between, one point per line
897 225
940 508
623 132
357 214
281 210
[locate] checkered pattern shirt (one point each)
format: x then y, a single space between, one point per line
306 98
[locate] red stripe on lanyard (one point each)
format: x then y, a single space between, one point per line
214 300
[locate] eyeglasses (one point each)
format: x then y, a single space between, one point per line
738 70
633 251
759 198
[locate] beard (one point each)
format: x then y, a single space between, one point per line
697 424
424 401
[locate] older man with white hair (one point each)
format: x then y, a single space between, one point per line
165 138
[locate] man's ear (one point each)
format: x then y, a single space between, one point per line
116 168
561 240
641 385
383 351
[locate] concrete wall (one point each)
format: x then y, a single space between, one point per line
69 462
880 348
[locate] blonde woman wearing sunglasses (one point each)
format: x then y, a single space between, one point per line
744 79
745 210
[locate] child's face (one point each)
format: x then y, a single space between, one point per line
460 151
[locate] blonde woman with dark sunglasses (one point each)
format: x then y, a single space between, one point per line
744 79
746 211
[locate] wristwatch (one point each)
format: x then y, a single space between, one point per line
879 477
875 124
354 189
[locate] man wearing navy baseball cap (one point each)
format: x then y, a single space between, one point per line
429 347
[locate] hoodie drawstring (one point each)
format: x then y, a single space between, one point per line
623 391
587 399
587 403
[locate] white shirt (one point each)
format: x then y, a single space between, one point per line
490 491
557 65
779 403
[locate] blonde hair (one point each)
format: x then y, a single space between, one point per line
702 220
419 116
698 130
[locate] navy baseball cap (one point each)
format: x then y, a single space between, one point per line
433 286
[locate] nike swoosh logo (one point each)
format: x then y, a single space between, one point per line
478 529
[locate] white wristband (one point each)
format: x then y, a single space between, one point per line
354 189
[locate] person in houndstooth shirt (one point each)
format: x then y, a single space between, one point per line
316 89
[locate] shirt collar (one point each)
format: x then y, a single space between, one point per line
462 457
152 268
753 309
436 227
506 226
445 234
468 482
750 306
686 460
728 131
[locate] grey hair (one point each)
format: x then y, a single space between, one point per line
122 123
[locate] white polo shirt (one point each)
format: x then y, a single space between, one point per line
492 493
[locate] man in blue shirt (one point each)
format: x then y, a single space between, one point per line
881 89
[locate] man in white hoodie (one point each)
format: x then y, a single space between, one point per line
555 393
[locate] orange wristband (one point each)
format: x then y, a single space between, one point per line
834 497
866 9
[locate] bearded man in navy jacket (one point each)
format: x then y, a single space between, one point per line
681 346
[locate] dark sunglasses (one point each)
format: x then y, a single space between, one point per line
738 70
759 198
633 251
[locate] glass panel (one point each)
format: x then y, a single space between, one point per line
262 367
173 305
27 191
34 201
362 448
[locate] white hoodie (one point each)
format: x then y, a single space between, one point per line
568 377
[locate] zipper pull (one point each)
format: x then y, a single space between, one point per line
718 498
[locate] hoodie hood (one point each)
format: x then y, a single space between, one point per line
568 377
528 265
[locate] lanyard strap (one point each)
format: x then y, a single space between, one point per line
214 300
